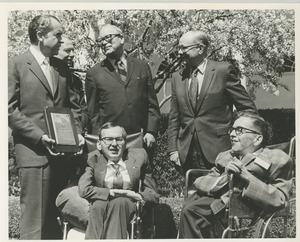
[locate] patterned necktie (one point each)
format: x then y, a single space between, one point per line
121 69
193 90
48 74
118 179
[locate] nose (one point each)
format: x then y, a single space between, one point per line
114 142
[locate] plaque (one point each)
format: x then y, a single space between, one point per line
61 127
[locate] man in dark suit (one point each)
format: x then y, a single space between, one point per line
261 176
111 184
202 99
36 80
119 89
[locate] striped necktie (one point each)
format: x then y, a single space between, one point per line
118 179
193 89
121 69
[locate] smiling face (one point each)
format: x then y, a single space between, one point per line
51 41
111 41
66 51
112 143
249 140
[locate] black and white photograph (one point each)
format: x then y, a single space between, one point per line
184 117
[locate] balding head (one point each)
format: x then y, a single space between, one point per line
195 37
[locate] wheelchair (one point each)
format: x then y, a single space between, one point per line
242 218
142 224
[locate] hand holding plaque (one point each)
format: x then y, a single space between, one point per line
61 128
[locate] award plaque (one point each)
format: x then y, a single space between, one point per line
61 127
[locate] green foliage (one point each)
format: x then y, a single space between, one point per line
14 217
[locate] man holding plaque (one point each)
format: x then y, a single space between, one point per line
37 80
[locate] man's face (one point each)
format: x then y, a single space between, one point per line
112 143
50 42
66 52
189 49
242 139
112 42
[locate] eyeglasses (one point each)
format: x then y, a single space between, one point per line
186 48
110 140
241 130
108 38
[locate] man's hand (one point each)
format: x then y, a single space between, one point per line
174 157
125 193
238 168
48 142
81 143
149 139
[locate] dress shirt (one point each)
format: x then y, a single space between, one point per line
122 58
200 74
110 173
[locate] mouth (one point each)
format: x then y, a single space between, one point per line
114 151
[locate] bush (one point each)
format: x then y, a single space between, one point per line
14 217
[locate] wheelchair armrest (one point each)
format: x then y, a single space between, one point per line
188 176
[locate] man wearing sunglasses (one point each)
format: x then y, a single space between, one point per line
111 184
119 89
202 100
262 176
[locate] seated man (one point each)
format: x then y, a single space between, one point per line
111 184
262 176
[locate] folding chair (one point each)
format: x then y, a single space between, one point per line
138 229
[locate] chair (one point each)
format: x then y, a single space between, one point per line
238 212
138 228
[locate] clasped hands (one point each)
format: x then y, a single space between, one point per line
236 167
48 142
126 193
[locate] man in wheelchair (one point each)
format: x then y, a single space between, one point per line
262 176
114 180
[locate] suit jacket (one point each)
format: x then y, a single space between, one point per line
91 184
221 89
132 104
268 188
28 94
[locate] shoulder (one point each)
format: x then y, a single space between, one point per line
219 65
96 68
276 156
93 158
223 158
21 58
137 152
136 61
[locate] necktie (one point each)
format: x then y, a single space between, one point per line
118 179
48 73
193 90
121 69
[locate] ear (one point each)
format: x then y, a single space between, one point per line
40 36
258 140
122 40
99 145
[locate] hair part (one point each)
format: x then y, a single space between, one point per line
40 23
262 125
110 125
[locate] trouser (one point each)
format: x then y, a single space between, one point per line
110 219
39 188
195 158
198 221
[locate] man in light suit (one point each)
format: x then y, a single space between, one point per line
35 80
111 184
202 99
119 89
262 176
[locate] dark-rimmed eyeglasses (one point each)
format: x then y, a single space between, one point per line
187 48
110 140
108 38
241 130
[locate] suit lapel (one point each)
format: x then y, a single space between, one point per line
108 67
130 68
248 158
130 165
102 169
207 79
185 83
55 76
37 71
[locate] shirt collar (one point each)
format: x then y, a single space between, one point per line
123 58
201 67
38 55
120 162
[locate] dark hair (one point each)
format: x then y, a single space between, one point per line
262 125
40 23
109 125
